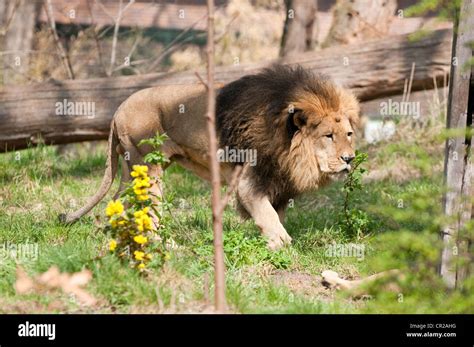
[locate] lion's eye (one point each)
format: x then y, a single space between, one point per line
329 136
349 133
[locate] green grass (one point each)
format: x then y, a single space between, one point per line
36 185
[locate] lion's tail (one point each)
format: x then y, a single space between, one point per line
109 175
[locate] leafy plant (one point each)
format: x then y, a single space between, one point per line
447 9
355 221
155 157
241 249
134 229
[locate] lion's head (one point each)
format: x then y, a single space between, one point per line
301 124
324 123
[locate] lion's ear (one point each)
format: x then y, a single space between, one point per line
295 121
299 119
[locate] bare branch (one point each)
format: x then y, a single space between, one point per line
96 39
101 5
232 186
226 29
117 21
129 55
4 30
62 52
204 83
169 47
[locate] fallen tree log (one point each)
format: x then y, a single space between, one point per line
375 69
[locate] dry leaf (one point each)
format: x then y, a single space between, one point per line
54 279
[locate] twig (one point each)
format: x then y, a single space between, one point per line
165 52
201 80
117 21
96 39
405 89
374 29
173 45
4 30
62 52
410 84
129 55
98 2
226 29
232 185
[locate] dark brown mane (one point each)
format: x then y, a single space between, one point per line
266 94
252 113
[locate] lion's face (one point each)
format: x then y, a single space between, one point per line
333 143
328 131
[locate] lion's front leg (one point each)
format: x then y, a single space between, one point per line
262 212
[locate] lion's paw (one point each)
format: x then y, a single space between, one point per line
278 240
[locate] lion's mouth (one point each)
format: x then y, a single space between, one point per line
341 174
345 169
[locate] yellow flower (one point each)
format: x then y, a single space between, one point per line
141 266
139 171
113 222
143 197
143 223
141 182
149 256
139 255
138 214
114 208
139 191
167 256
140 239
142 220
141 213
112 245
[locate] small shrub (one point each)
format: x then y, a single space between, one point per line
354 221
134 229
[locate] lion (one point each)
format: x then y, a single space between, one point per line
299 124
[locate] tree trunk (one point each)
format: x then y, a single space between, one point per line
298 32
458 161
373 70
19 22
360 20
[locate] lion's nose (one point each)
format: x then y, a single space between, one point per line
347 158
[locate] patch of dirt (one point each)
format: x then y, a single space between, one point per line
29 307
60 304
192 307
302 283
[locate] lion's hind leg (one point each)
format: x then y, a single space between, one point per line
124 179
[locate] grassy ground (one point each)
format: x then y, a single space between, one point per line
37 184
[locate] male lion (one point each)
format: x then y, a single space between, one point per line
299 124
